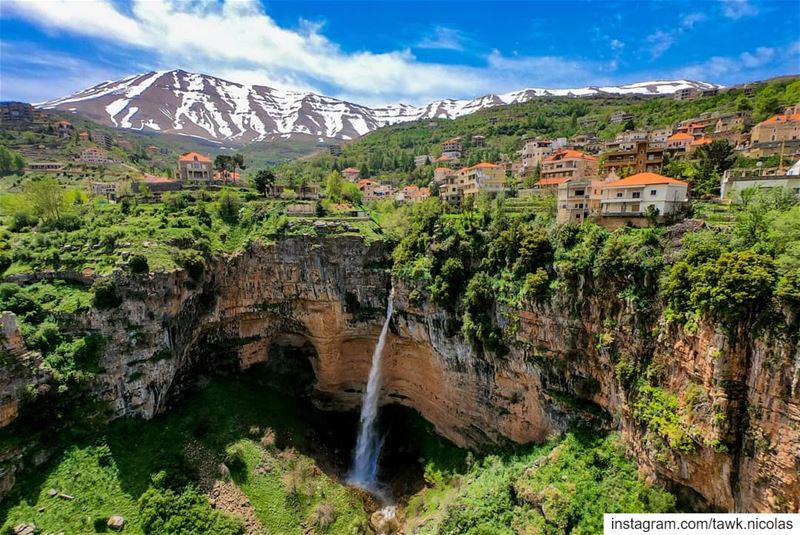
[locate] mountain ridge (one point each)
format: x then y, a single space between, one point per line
208 107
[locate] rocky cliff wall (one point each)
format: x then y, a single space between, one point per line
573 358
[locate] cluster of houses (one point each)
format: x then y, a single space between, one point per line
374 190
620 182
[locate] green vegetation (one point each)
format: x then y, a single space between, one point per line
562 487
155 481
388 153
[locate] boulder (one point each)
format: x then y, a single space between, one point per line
116 522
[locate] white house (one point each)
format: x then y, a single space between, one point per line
633 195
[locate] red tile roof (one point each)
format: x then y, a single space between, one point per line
192 156
782 117
485 165
702 141
365 182
680 135
552 181
568 154
644 179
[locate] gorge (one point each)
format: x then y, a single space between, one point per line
324 297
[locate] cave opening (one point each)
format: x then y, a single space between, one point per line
288 380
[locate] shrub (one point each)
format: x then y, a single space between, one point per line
5 263
105 294
229 205
138 264
166 512
192 261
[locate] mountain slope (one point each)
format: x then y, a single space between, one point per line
199 105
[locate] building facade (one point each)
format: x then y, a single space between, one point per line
567 163
636 194
194 167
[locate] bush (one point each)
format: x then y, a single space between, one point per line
5 263
229 205
166 512
105 294
138 264
192 261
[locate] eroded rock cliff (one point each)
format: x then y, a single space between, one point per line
574 357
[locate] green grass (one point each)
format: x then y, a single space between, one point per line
108 473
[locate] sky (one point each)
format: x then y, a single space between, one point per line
380 52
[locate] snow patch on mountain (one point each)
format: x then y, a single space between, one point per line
211 108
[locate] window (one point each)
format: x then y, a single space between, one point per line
579 193
653 192
619 195
636 194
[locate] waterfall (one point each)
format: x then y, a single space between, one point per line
368 446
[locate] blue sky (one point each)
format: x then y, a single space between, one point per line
385 52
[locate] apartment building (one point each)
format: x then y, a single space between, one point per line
372 190
734 181
632 196
16 112
533 152
452 148
621 117
578 200
567 163
641 157
350 174
94 156
781 127
678 143
484 177
412 194
195 167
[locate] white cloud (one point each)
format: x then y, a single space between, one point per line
616 44
753 64
237 37
737 9
444 38
659 42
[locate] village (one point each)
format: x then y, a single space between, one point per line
614 183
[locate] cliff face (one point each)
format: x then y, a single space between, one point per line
739 403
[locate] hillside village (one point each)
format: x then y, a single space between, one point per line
640 177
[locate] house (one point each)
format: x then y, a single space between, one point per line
478 141
106 189
659 135
309 191
83 136
533 152
641 193
64 128
440 174
734 181
699 142
374 191
678 143
782 127
195 168
641 157
726 122
443 160
424 159
452 148
579 199
484 177
94 156
44 167
157 184
227 176
412 194
550 183
334 150
102 139
350 174
568 163
621 117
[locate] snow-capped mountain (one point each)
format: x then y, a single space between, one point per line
185 103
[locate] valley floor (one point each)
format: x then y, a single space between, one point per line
238 455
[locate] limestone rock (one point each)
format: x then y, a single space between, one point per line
116 522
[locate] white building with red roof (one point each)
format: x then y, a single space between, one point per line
195 167
634 195
350 174
568 163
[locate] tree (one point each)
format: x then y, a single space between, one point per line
222 163
263 181
334 184
46 198
10 161
715 158
237 160
229 205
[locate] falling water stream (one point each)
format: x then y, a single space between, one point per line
364 472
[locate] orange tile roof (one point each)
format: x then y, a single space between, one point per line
782 117
153 179
568 154
644 179
702 141
485 165
552 181
680 135
453 140
191 156
365 182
